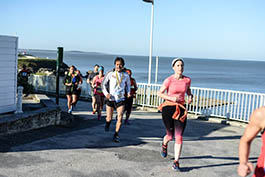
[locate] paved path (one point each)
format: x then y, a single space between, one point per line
85 150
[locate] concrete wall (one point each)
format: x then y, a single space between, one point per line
8 73
50 114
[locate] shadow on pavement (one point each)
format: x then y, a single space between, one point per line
21 138
187 169
139 132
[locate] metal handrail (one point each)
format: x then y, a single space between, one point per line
229 104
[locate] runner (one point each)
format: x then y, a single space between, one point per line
79 84
96 84
71 81
22 80
129 100
89 81
176 86
255 125
115 85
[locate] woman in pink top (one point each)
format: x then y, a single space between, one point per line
174 89
96 84
255 126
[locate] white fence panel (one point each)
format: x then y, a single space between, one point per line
47 84
8 72
229 104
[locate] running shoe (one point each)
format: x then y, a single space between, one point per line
164 150
99 116
70 110
107 127
94 112
127 122
116 138
175 166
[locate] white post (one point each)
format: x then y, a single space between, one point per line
19 100
47 83
156 69
151 44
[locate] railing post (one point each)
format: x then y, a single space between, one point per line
19 100
144 96
148 95
58 68
47 83
228 106
262 103
156 69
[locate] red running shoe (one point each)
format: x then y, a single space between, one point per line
175 166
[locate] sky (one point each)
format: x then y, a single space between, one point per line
228 29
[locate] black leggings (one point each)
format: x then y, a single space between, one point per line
128 105
173 127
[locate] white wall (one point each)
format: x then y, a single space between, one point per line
8 73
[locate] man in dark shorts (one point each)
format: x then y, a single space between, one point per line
23 76
129 100
115 85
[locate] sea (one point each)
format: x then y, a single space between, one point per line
239 75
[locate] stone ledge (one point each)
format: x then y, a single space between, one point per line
50 114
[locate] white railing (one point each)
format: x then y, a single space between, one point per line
47 84
235 105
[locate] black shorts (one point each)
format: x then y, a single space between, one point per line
70 91
113 104
128 103
169 122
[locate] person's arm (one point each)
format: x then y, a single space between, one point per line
190 96
104 85
128 86
93 82
67 84
135 85
81 80
88 78
255 125
161 93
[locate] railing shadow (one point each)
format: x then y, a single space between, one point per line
89 133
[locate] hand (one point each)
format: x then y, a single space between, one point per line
129 95
244 169
190 99
175 99
108 96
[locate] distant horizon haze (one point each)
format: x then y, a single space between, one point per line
104 53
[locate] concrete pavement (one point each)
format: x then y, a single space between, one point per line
85 149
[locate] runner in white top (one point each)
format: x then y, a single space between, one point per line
114 86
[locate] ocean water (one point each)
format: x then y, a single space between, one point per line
207 73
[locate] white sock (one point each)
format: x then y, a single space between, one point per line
178 148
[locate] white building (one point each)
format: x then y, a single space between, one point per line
8 73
